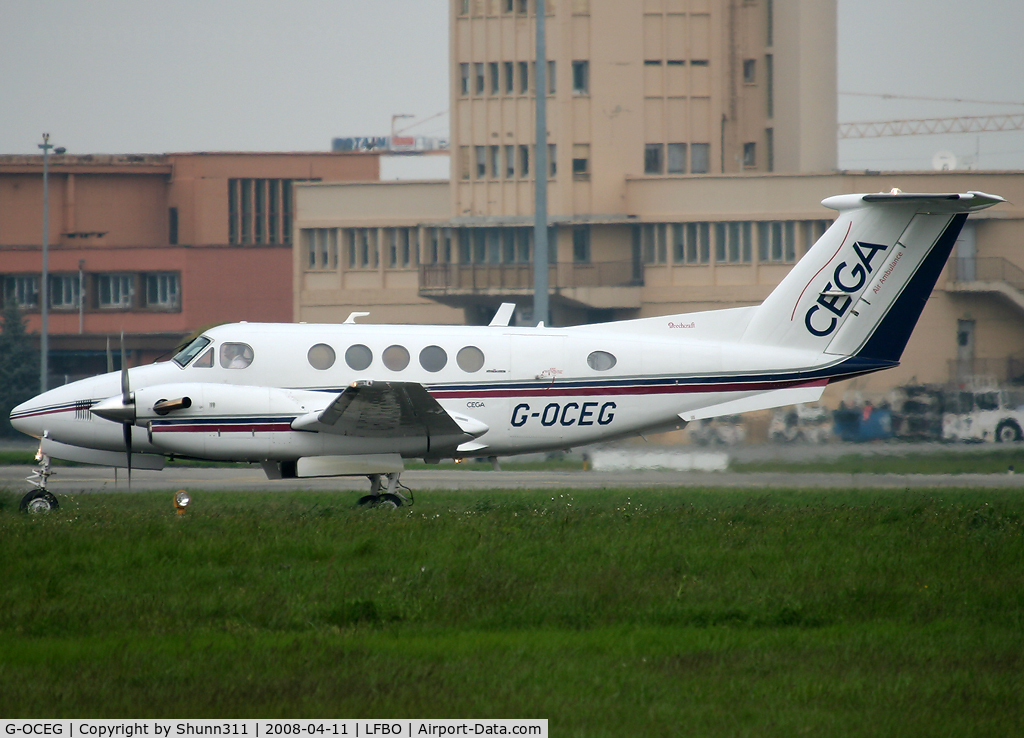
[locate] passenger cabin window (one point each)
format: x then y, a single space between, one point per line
396 358
470 359
321 356
601 361
190 352
433 358
235 355
358 357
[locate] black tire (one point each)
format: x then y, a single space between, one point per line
390 501
1008 432
368 501
38 501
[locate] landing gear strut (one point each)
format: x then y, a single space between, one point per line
392 497
40 499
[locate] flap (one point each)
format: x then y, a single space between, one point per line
386 410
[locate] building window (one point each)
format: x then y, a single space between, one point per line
495 80
581 160
522 6
22 290
362 248
64 291
551 78
162 291
495 162
770 17
749 71
652 243
524 160
777 241
259 219
691 243
510 162
733 243
114 290
464 78
769 83
698 62
769 140
479 68
581 244
510 78
464 163
700 155
172 226
259 211
463 7
653 158
581 77
749 155
481 162
524 77
552 160
510 6
677 158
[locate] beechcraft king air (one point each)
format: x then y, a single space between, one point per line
358 399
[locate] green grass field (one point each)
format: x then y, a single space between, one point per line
611 613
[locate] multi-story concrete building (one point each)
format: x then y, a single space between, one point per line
691 142
154 246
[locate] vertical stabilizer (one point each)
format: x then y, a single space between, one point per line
861 288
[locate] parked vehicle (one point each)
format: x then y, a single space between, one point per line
985 414
726 430
800 423
864 423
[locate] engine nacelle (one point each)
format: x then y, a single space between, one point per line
222 421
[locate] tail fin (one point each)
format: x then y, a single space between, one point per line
861 288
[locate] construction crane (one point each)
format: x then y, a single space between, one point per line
919 126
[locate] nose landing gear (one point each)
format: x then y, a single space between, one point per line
39 500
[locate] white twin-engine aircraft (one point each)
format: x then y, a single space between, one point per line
356 399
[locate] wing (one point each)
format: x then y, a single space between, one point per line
371 409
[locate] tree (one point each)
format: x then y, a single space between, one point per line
19 366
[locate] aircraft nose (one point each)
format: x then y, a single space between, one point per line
27 417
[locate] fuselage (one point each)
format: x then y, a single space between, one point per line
533 388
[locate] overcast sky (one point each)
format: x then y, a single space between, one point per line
138 76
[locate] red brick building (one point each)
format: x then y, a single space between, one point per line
156 246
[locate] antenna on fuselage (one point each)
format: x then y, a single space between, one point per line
353 315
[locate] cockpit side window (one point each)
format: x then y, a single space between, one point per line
235 355
190 352
205 361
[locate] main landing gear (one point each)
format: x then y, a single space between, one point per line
40 499
393 496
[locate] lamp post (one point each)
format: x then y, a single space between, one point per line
44 286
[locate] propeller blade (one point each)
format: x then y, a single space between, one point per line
125 390
126 399
128 450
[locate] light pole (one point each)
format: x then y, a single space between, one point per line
44 286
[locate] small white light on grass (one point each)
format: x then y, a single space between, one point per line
181 500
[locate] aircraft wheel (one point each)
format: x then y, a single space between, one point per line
390 501
368 501
1008 432
38 501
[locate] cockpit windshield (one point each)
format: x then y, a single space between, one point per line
188 353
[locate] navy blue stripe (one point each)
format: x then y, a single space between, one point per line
892 333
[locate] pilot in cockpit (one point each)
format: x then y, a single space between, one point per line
235 356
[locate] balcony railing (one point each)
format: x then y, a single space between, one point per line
469 278
987 269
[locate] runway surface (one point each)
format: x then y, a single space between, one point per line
69 480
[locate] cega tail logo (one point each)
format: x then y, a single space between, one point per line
836 298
